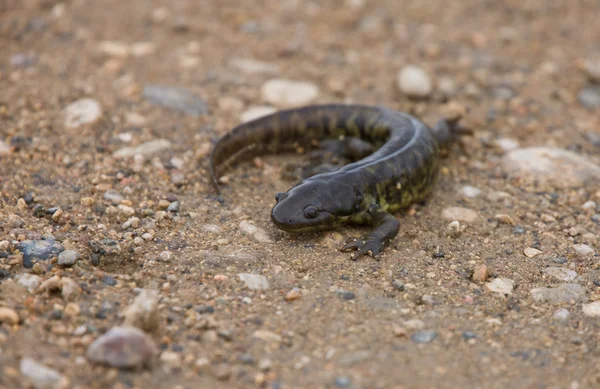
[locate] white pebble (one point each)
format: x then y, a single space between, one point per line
583 249
256 112
414 81
501 285
592 309
287 93
470 191
83 111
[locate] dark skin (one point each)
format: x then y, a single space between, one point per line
401 171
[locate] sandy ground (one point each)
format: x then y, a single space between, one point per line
436 311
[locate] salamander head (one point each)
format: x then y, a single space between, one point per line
315 206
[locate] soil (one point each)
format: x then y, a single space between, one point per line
427 314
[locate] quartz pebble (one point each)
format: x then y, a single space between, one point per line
256 112
143 311
81 112
592 309
288 93
254 281
531 252
460 214
469 192
414 81
501 285
583 249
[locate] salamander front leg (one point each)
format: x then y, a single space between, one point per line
386 228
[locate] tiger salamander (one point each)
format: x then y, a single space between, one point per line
401 171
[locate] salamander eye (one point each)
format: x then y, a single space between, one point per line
311 212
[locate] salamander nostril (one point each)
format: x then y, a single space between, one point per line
290 221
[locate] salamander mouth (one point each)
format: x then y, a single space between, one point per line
282 220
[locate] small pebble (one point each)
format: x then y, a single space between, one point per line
42 376
561 315
481 273
82 112
560 273
589 97
175 98
453 230
504 218
108 280
583 249
145 149
38 250
68 257
531 252
288 93
123 347
254 281
143 311
469 192
29 281
424 336
414 81
293 294
398 285
8 316
501 286
342 382
70 289
592 309
256 112
459 214
563 293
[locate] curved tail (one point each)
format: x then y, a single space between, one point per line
286 129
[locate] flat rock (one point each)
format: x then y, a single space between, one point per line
38 250
501 285
81 112
41 376
178 99
288 93
123 347
560 273
561 294
460 214
552 167
145 149
426 336
254 281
